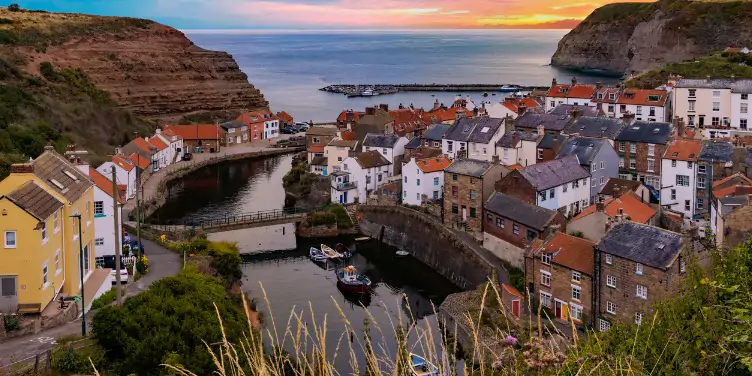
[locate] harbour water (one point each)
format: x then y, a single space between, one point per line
290 67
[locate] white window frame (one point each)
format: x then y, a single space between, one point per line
45 275
56 221
603 165
575 311
576 276
611 307
545 279
43 231
639 270
58 269
546 258
98 242
642 292
15 239
549 298
576 290
638 318
604 325
633 147
609 259
611 281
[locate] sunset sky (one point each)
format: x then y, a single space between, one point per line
335 14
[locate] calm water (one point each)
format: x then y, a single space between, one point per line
290 67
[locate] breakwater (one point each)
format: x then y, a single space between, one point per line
379 89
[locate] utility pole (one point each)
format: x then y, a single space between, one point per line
138 207
81 272
118 236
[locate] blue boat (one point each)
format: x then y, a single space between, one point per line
422 367
350 280
317 255
341 248
509 89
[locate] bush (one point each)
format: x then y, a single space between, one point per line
105 299
47 71
517 278
68 360
322 218
14 8
142 265
11 321
342 218
577 234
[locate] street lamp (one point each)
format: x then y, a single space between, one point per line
81 272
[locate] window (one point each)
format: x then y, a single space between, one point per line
10 239
673 163
692 93
473 195
472 212
545 299
633 147
691 120
564 188
593 167
56 221
99 241
639 110
611 308
546 258
701 182
576 276
455 209
435 195
743 107
652 111
611 108
540 153
686 205
642 292
454 191
545 278
44 232
700 203
552 193
57 262
576 292
515 229
417 196
449 146
621 162
632 163
611 281
595 181
638 269
417 182
489 217
716 121
339 159
404 194
44 275
316 140
542 195
744 97
701 168
436 181
405 179
743 123
651 150
682 180
603 165
638 318
604 325
98 208
499 222
454 177
716 93
575 311
383 151
553 103
689 164
531 235
651 165
603 180
622 146
609 259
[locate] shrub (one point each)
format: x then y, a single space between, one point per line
47 71
11 321
105 299
142 265
577 234
517 278
14 8
322 218
68 360
5 21
343 219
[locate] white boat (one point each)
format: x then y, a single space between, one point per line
402 253
369 93
330 253
422 367
509 89
317 255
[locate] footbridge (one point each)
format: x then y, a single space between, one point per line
233 222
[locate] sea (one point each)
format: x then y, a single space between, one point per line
289 67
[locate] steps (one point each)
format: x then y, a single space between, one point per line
354 218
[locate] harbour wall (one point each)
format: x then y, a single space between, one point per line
388 89
428 241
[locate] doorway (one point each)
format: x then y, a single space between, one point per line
562 310
8 293
516 308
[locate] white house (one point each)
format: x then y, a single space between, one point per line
161 156
423 179
476 136
560 184
175 143
645 105
517 147
390 146
337 150
125 173
271 124
512 107
106 238
359 176
574 94
740 104
703 103
679 176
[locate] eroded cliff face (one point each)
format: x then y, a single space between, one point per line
156 72
634 37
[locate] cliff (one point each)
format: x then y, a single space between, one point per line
634 37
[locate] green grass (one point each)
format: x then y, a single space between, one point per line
106 298
718 65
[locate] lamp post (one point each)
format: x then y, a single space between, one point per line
138 202
81 272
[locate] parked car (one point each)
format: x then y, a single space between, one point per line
134 247
301 127
187 156
109 263
288 130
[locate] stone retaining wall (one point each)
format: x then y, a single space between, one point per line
428 241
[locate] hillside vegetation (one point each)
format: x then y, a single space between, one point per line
719 65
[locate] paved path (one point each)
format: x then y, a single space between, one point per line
484 253
162 263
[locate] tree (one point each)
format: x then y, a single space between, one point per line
14 8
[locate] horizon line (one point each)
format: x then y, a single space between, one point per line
367 30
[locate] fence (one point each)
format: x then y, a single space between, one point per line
41 362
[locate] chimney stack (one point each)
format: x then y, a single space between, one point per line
575 112
384 106
370 110
600 206
459 114
401 106
436 104
553 82
541 130
628 117
495 159
598 85
574 81
681 130
22 168
508 124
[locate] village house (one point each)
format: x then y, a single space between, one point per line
319 165
512 225
517 147
548 147
595 155
105 238
285 119
237 132
713 103
640 146
512 107
175 143
375 120
644 104
596 219
144 151
542 123
476 136
125 173
271 124
408 122
468 183
41 244
441 114
560 184
574 94
316 140
576 111
391 146
200 138
636 266
360 175
161 156
561 266
337 150
347 118
594 127
729 195
605 100
423 180
616 187
679 176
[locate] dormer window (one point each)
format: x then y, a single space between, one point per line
654 98
612 96
600 95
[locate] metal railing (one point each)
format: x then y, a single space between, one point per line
41 362
260 216
345 186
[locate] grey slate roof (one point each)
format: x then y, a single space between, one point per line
548 140
554 173
477 129
436 132
742 86
319 161
381 140
729 204
650 132
584 148
550 122
612 183
51 166
469 167
597 127
232 124
736 86
566 109
645 244
414 143
532 216
35 200
717 151
508 140
371 159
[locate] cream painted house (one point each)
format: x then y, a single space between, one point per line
336 151
703 103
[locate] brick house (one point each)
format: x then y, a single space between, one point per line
559 272
237 132
316 140
467 185
548 147
636 266
200 138
640 145
511 225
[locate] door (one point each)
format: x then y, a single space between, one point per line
516 308
558 309
237 140
8 293
562 310
702 121
345 198
266 135
464 213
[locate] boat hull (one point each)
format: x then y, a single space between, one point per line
353 288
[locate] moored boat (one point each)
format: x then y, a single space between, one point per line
317 255
330 253
509 89
402 253
349 279
422 367
342 249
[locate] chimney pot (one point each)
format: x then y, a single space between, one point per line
553 82
574 81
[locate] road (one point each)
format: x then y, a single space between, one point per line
162 263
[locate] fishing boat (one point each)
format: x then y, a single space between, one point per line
402 253
349 279
341 248
509 89
317 255
422 367
330 253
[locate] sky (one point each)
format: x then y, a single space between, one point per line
336 14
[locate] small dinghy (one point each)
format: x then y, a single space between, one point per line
330 253
402 253
342 249
421 367
349 279
317 255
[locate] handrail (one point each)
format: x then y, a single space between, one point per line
259 216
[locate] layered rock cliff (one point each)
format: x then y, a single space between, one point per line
634 37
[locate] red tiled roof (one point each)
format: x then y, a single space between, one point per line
513 104
143 145
572 91
683 150
102 182
355 115
631 206
316 149
284 116
570 251
511 290
407 120
197 131
515 166
158 143
734 185
447 114
125 164
606 91
255 117
349 136
429 165
642 96
727 179
140 161
735 190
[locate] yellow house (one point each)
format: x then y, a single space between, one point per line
41 253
